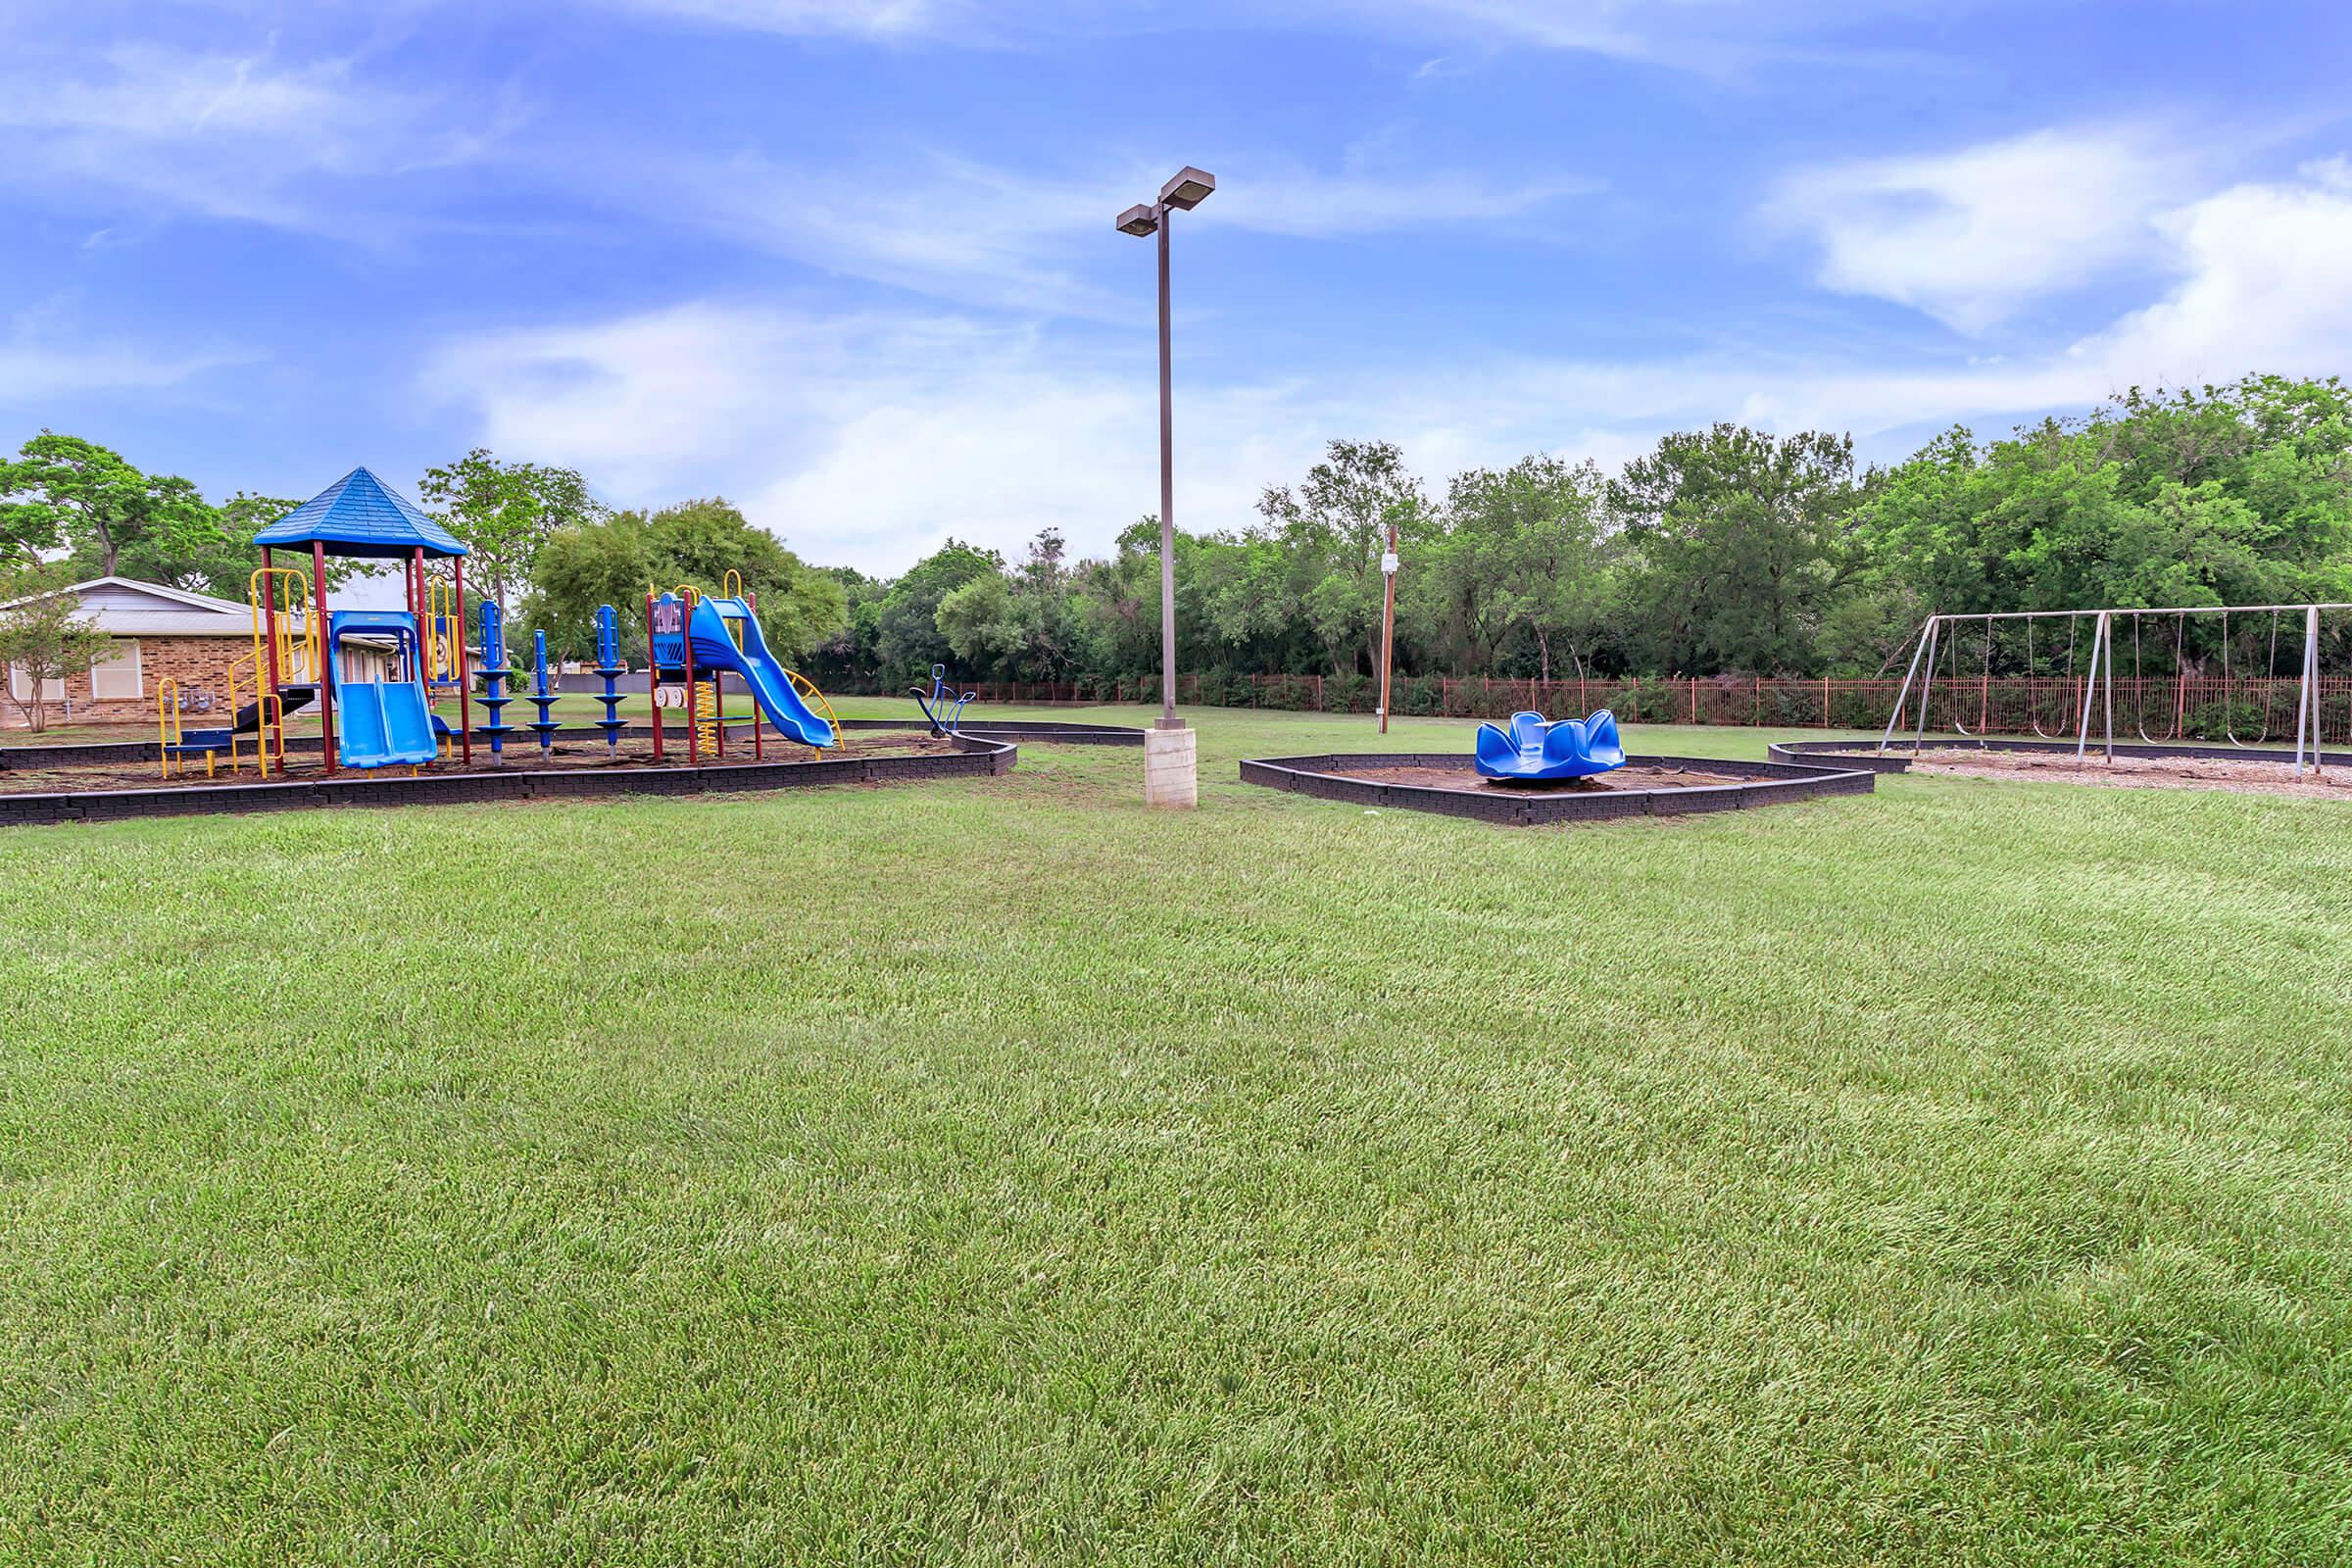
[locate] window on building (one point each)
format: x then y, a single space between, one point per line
118 675
20 688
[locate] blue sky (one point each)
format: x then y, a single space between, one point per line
852 265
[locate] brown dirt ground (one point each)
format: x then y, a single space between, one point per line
520 756
1635 777
2138 772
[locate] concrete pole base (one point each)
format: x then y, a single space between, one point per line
1172 768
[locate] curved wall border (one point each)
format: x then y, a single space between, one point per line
1768 784
974 757
1896 758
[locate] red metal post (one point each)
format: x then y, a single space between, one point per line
652 675
693 740
457 613
261 710
326 654
753 599
424 672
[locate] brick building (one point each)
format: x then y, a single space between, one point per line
160 634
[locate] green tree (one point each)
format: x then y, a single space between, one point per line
43 638
584 566
62 491
2218 495
616 560
1735 534
907 640
1333 527
850 656
1528 548
1023 625
506 513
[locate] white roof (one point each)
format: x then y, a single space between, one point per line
128 608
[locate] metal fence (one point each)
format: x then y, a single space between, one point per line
2166 707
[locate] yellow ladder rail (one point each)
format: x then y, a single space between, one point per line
439 632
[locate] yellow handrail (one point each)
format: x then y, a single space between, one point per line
280 600
265 703
816 701
166 719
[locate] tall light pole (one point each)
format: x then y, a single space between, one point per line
1188 190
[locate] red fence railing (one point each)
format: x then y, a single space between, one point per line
2160 708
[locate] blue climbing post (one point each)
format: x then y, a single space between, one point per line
494 676
543 695
610 667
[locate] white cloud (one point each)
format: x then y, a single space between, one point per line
224 135
42 365
1972 235
1031 240
1297 202
869 439
2263 268
881 21
1711 35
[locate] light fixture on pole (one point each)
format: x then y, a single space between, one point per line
1172 761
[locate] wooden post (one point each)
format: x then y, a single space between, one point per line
1388 625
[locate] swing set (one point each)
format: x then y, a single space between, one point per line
2159 703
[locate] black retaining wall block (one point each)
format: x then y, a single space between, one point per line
974 757
1896 758
1770 784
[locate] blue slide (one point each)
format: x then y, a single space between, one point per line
715 649
379 723
382 723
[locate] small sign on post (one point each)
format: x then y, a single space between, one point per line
1388 563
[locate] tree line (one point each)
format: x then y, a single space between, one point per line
1722 551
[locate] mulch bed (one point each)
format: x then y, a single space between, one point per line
1633 776
521 754
2248 776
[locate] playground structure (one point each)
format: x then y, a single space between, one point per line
374 675
305 655
695 640
2162 709
1533 749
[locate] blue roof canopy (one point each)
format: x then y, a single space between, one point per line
359 515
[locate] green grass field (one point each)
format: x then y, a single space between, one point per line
1002 1173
